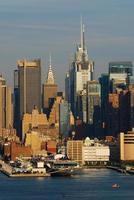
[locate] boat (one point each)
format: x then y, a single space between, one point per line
115 185
61 167
130 171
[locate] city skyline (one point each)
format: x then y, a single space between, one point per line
85 48
32 29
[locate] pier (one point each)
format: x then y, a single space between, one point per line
8 170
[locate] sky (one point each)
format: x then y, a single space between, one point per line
32 29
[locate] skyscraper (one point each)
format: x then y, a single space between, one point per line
93 99
64 118
105 89
82 105
6 107
27 90
131 90
119 73
80 72
29 85
113 115
67 88
49 88
124 111
16 101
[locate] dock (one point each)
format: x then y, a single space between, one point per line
29 175
8 171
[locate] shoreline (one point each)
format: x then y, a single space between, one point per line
8 170
21 175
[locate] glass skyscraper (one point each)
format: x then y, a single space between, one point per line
29 83
119 73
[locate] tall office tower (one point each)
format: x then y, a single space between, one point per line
64 119
131 90
16 101
49 88
93 101
80 72
29 86
119 73
130 80
105 89
124 111
82 105
113 115
67 90
6 107
120 112
27 90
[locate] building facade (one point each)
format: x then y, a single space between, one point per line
67 88
74 150
113 114
127 146
33 120
105 89
6 106
95 153
29 85
81 71
119 73
50 89
88 152
93 101
27 90
64 119
131 91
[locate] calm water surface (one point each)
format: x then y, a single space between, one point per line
90 184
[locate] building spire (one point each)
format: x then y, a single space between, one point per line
50 75
82 27
81 54
50 61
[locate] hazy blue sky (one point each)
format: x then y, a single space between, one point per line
33 28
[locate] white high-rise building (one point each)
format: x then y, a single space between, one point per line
81 71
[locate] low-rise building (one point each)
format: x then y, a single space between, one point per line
74 150
127 146
95 153
33 140
13 150
88 152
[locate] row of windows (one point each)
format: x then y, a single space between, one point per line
128 142
129 139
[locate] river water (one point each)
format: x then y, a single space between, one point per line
90 184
